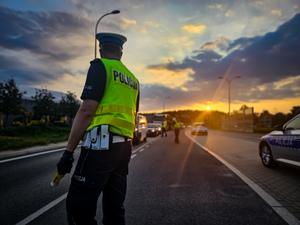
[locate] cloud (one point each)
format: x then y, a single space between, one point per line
194 29
37 47
171 78
131 23
216 6
290 82
81 4
229 13
276 12
271 61
38 32
152 24
128 22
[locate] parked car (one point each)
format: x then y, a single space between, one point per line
140 132
152 129
281 145
199 128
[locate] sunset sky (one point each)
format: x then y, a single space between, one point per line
175 48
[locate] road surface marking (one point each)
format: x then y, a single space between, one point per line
61 198
147 143
31 155
276 206
42 210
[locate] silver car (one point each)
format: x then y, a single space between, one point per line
282 145
199 128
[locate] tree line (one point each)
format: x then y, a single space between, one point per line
214 118
47 110
44 108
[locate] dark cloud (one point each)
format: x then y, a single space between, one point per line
259 60
24 75
33 31
207 56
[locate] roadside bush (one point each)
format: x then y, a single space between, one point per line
263 130
26 136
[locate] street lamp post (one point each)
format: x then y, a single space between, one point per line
164 102
229 81
113 12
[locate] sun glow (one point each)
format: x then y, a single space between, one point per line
207 108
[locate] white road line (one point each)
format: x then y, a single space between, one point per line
142 149
61 198
277 207
31 155
42 210
147 143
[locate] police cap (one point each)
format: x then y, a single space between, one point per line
111 37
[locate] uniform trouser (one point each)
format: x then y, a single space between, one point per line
99 171
163 131
176 130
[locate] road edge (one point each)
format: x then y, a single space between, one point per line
275 205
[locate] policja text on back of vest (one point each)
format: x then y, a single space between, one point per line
124 79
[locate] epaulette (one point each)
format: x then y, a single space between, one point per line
95 60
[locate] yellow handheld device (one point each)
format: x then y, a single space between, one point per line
56 180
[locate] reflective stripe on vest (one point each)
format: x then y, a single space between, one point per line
114 121
117 107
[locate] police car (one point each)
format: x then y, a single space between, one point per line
281 145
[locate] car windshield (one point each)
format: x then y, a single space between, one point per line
294 125
151 125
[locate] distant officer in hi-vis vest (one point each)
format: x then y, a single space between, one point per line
106 121
164 126
176 124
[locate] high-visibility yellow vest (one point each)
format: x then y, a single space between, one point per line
177 124
164 124
118 104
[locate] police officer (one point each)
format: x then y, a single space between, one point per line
176 128
106 120
163 129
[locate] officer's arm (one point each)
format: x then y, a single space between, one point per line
81 122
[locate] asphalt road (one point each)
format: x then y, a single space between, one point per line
282 184
168 183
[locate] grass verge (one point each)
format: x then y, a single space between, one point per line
14 138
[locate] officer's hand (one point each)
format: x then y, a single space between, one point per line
65 163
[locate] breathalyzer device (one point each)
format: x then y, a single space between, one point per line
56 180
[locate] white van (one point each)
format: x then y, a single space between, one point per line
140 133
